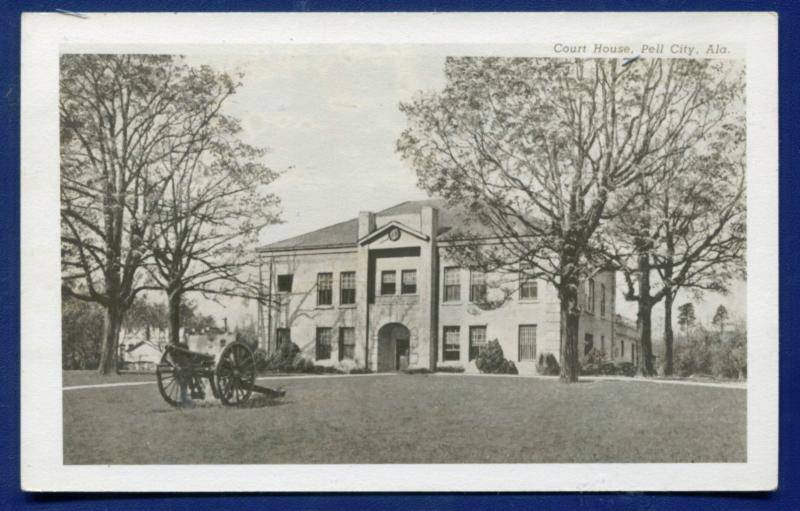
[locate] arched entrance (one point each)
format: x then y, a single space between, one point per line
393 347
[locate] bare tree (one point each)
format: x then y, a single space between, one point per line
125 122
538 148
209 219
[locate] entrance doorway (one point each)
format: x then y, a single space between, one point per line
393 347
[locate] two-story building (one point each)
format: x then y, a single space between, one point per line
381 291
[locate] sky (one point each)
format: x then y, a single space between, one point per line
331 122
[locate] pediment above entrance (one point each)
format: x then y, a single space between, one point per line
392 231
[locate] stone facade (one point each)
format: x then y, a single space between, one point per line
401 315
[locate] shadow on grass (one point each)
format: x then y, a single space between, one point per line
255 401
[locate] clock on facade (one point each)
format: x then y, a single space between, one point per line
394 234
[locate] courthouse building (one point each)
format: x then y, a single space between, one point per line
380 290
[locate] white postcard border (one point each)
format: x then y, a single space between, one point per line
45 35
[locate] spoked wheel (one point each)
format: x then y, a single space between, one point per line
235 374
174 381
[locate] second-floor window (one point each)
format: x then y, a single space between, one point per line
408 284
590 296
347 288
388 282
452 285
528 287
477 286
324 288
285 283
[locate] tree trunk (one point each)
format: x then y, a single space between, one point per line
668 334
174 297
570 321
111 327
644 320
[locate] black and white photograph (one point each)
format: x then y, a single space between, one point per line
350 254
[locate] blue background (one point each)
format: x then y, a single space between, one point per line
788 494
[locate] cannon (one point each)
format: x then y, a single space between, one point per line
231 375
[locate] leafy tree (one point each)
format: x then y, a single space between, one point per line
686 317
686 220
720 318
81 333
537 151
127 122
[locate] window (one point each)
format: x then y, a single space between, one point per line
603 300
285 283
477 340
603 344
527 343
347 288
452 343
477 287
324 288
283 336
588 343
590 296
323 343
622 349
347 343
408 284
452 285
388 282
528 287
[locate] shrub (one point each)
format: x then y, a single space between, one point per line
548 365
449 369
625 368
283 359
491 360
360 370
261 359
302 365
417 370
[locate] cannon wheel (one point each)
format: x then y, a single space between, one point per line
174 381
235 374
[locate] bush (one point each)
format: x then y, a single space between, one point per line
302 365
607 368
417 370
491 360
261 359
283 360
360 370
548 365
449 369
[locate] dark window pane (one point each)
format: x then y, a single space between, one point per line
285 283
452 285
323 343
409 282
324 288
348 288
527 342
528 287
452 343
347 343
388 282
283 336
477 340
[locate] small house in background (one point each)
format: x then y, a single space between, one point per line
141 350
209 340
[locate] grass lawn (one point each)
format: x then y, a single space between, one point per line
74 378
414 419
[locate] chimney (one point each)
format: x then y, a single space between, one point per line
366 223
429 221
